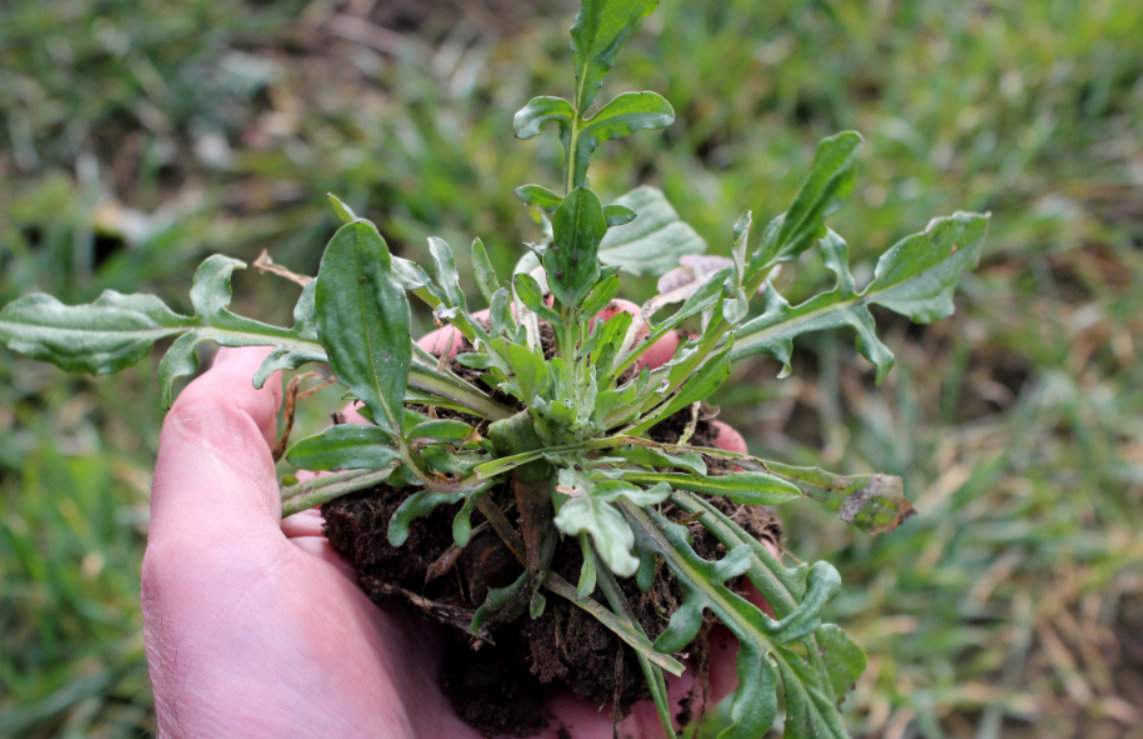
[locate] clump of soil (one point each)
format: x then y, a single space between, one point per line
500 680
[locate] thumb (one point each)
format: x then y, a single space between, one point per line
214 478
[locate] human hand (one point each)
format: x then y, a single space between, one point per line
255 627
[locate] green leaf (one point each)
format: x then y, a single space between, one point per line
746 488
572 261
107 335
416 280
752 708
181 360
697 384
917 276
653 242
364 318
588 574
844 660
347 446
504 604
447 276
445 429
601 295
654 457
542 110
754 705
591 510
292 356
210 291
483 271
462 521
830 180
532 296
600 28
774 331
538 196
343 212
418 505
810 714
618 215
529 370
874 503
622 116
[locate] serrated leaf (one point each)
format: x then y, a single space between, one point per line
622 116
364 318
601 27
571 261
830 180
654 241
347 446
540 111
104 336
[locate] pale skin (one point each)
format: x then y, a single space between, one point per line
254 626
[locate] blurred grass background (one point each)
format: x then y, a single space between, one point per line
137 136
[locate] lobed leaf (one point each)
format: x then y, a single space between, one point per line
104 336
762 658
540 111
600 28
590 509
622 116
746 488
830 180
915 278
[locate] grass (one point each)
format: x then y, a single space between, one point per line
135 139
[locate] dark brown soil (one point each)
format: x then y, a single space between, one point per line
500 682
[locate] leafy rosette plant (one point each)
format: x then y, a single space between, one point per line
536 427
